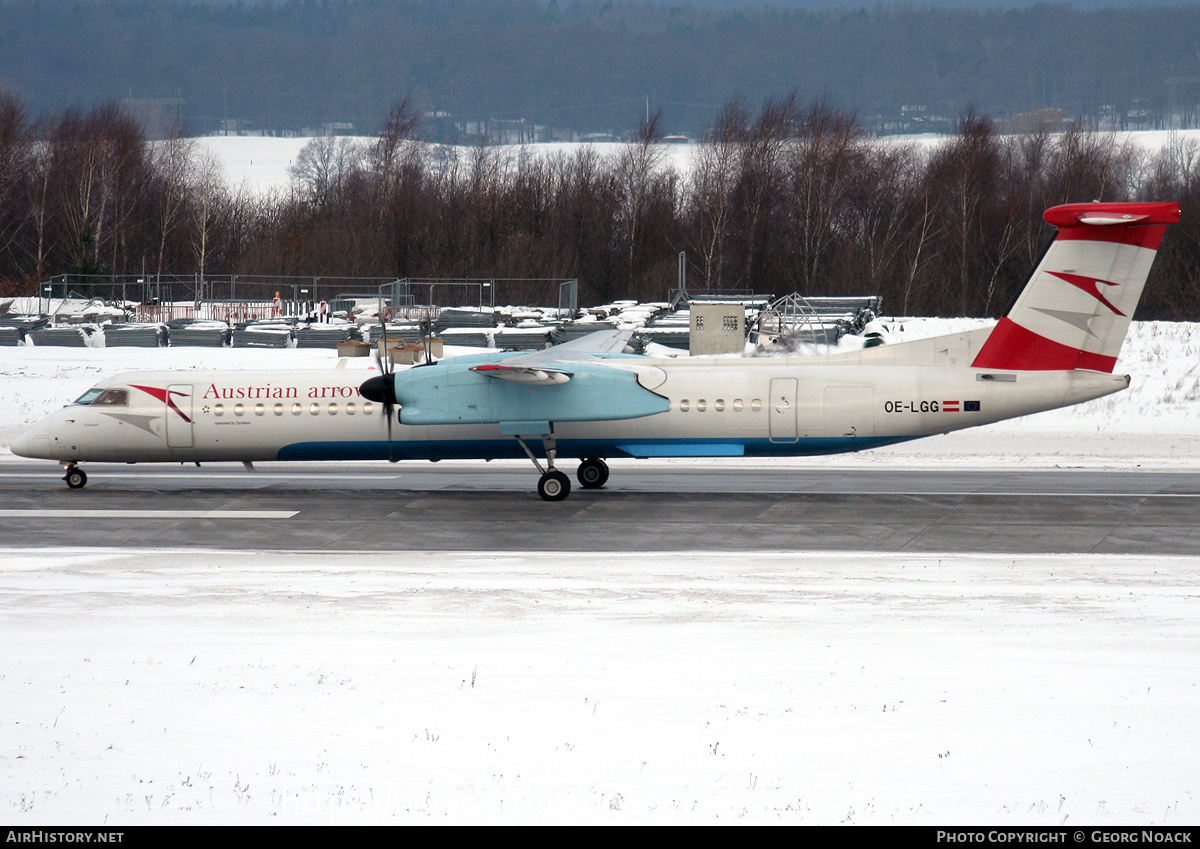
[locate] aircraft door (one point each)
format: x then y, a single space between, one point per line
782 409
849 411
179 415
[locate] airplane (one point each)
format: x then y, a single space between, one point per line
592 401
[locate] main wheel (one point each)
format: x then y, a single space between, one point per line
75 478
554 486
593 473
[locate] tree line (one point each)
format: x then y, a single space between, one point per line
788 196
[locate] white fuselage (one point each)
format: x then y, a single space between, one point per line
718 407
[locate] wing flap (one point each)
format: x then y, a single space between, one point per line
524 374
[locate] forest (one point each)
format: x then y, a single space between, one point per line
785 196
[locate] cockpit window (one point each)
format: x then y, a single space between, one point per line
88 397
112 398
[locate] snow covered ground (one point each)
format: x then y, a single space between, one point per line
260 164
163 686
779 687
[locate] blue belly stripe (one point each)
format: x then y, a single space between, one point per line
498 449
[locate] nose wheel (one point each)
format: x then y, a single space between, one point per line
554 486
75 477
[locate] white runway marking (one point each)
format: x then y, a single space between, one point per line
147 514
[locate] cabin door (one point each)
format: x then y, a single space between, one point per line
783 409
849 411
179 415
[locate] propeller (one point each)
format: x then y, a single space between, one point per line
382 388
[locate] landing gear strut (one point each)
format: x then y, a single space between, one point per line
553 484
75 477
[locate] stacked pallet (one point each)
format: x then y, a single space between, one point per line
325 335
74 336
530 337
263 335
464 319
135 336
198 333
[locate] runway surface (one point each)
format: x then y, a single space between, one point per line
661 507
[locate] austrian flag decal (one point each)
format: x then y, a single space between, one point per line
960 406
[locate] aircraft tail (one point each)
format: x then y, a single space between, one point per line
1076 308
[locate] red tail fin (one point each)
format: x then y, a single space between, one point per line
1076 308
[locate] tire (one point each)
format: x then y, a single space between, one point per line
554 486
75 478
593 473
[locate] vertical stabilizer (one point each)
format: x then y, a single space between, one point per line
1076 308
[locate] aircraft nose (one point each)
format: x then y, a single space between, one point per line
35 442
22 445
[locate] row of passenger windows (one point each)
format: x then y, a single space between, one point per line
314 409
719 405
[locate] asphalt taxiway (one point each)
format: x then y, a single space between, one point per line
660 507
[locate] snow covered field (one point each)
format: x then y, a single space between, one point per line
780 687
260 164
162 686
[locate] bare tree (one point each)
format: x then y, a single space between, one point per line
711 187
172 163
208 199
324 166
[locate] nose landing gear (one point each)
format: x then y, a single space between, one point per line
75 477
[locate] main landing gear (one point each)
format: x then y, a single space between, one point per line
75 477
553 485
593 473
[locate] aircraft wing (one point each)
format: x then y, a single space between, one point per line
569 382
577 350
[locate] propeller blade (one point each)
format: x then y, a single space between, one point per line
382 389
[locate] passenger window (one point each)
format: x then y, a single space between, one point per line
314 408
239 409
719 406
219 410
350 409
756 405
297 409
333 409
684 406
368 408
737 405
259 409
701 405
279 409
